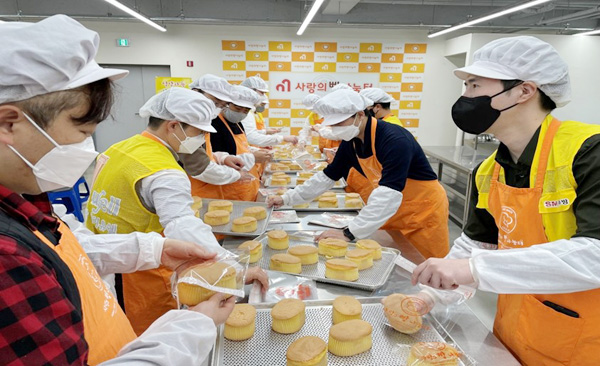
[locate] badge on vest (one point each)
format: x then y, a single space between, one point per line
557 203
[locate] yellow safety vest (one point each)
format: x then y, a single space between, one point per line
114 205
393 120
558 194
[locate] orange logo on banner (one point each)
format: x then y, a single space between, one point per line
369 67
410 122
233 45
415 48
303 56
280 66
412 87
261 74
234 65
325 47
295 131
324 66
280 46
508 220
410 104
257 56
390 78
413 68
280 103
347 57
370 47
279 122
299 113
392 58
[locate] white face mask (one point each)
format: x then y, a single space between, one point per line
337 133
234 117
62 166
190 144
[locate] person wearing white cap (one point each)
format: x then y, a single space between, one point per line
230 138
56 309
254 123
213 167
381 105
406 194
312 124
536 198
148 191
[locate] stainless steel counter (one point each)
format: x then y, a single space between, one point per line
462 158
460 322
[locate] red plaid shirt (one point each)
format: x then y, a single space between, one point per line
38 323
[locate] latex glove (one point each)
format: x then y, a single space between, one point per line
273 130
291 139
445 274
274 201
262 156
234 162
422 302
217 308
332 233
302 145
176 252
315 128
258 274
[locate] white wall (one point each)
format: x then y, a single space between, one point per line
202 45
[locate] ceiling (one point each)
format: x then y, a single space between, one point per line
554 17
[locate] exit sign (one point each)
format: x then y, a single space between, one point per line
123 42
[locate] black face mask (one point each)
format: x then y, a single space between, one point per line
476 115
369 113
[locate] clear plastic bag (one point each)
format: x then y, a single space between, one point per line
284 286
428 353
196 281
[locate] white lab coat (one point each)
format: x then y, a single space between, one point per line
383 203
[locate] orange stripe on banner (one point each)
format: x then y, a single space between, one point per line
370 47
280 103
257 56
280 66
410 122
347 57
303 56
280 46
279 122
234 65
410 104
325 47
370 67
390 77
325 66
413 68
412 87
392 58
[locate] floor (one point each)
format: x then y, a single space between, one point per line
483 304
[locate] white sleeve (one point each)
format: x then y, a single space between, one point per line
312 188
168 192
220 156
383 203
180 337
561 266
256 138
218 174
248 159
118 253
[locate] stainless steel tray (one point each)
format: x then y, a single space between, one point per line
238 211
339 184
314 206
268 348
268 168
368 279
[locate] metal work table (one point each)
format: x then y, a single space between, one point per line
457 181
462 325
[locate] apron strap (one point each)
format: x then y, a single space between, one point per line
545 153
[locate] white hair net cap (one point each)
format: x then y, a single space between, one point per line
214 85
523 58
310 100
377 95
183 105
255 82
54 54
340 105
341 86
244 97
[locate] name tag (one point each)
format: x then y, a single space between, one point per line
557 203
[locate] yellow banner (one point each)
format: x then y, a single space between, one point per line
299 113
370 47
347 57
234 65
370 67
324 66
325 47
410 122
392 58
280 46
410 104
280 103
303 56
279 122
412 87
390 77
233 45
162 83
257 56
415 48
280 66
413 68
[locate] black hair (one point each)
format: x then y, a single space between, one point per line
384 105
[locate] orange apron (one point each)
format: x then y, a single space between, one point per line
240 191
423 214
105 327
260 125
535 333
